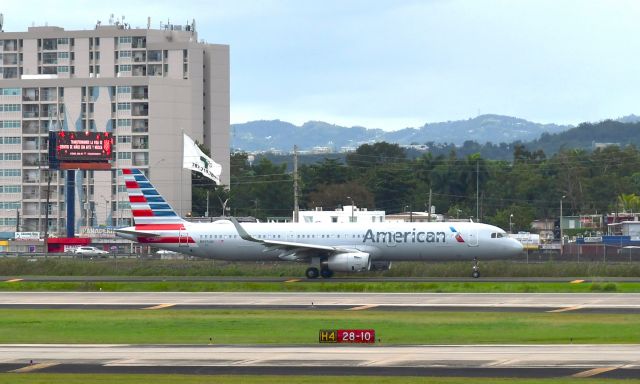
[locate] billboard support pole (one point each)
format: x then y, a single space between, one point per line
70 200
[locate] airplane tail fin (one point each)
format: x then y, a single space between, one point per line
148 207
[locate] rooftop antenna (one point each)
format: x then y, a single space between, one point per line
1 22
148 22
111 19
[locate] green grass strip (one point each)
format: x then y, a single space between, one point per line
329 286
174 326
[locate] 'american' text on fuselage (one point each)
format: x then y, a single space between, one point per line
404 237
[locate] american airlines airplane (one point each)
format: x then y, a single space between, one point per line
327 248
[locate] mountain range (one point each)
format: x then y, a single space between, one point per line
277 135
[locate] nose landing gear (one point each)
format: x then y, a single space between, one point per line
476 270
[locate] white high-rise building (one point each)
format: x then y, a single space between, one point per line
146 86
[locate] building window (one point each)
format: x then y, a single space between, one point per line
10 189
10 156
124 40
125 89
9 124
124 139
124 155
124 123
10 172
10 140
123 54
124 106
10 91
63 55
63 69
9 107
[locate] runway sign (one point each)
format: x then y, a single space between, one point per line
360 336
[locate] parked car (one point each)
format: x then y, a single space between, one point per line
90 251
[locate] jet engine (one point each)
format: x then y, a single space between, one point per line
380 265
348 262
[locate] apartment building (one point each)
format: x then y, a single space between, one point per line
146 86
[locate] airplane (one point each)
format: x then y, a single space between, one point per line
327 248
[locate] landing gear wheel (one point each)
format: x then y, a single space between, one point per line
312 273
476 269
326 273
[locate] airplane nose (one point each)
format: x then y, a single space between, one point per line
517 246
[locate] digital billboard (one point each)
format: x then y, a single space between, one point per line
80 150
84 146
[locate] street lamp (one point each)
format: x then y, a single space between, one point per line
561 232
408 208
352 218
511 223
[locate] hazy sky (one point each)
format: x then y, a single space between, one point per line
395 64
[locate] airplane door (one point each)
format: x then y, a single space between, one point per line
472 238
183 238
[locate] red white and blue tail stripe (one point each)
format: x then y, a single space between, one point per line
148 207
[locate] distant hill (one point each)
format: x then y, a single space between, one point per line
587 134
282 136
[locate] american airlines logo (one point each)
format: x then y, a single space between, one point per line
405 237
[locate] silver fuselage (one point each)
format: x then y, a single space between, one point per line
382 241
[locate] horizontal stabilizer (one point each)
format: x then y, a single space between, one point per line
136 233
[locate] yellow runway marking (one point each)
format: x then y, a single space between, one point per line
13 280
292 281
593 372
566 309
34 367
360 308
576 281
160 306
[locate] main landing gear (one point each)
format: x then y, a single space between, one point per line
313 273
476 270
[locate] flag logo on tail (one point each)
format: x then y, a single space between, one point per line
147 205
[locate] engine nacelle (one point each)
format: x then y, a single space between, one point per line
348 262
380 265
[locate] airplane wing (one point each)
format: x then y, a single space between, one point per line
292 248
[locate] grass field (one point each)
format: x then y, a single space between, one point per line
169 326
322 286
39 378
143 267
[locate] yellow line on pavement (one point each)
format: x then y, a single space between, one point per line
160 306
593 372
566 309
34 367
576 281
360 308
292 281
13 280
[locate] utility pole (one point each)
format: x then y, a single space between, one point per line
46 214
478 190
296 208
429 207
561 232
206 213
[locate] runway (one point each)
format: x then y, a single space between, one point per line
589 302
606 361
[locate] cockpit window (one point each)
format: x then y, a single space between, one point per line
497 235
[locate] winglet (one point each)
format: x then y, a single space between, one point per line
243 234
